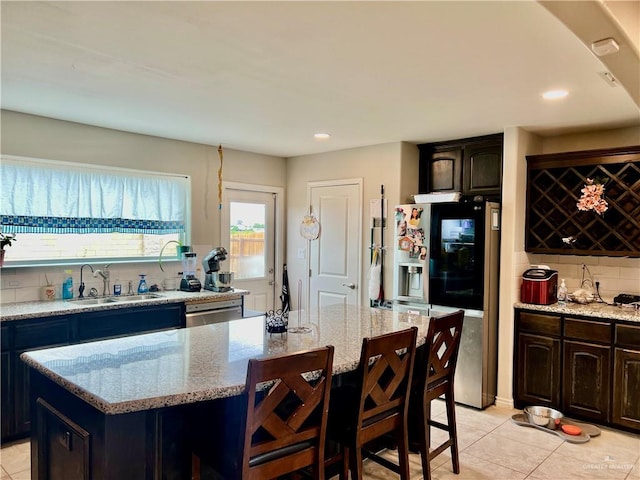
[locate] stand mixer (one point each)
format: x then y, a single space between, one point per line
215 280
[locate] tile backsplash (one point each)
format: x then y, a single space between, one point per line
26 284
615 275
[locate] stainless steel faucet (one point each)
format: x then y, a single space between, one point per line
105 274
81 288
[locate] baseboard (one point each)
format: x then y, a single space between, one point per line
504 403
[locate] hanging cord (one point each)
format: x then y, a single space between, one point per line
221 155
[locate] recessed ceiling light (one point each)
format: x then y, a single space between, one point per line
554 94
322 136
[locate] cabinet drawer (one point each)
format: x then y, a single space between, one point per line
587 330
628 336
538 323
32 334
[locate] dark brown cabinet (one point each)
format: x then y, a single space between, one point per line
626 377
587 368
20 336
555 225
444 170
5 385
472 166
64 445
537 368
31 335
586 380
586 376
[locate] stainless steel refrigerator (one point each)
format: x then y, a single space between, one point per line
453 263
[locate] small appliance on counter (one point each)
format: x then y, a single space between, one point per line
214 279
189 282
539 286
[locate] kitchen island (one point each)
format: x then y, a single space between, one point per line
114 409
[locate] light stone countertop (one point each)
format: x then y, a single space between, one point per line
182 366
24 310
595 310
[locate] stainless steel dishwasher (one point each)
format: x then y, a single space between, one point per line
204 313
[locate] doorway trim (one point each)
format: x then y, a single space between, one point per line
278 193
334 183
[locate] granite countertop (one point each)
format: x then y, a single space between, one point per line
24 310
596 310
190 365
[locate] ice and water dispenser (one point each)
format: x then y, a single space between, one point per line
411 280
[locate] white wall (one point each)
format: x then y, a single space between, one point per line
40 137
393 165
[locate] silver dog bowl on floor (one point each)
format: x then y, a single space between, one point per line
544 416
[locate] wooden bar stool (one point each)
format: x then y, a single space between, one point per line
377 404
285 428
434 378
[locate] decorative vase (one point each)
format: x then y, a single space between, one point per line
2 258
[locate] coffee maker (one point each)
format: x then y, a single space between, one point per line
214 279
189 282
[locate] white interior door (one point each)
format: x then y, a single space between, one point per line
334 257
248 234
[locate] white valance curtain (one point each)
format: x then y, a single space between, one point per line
41 197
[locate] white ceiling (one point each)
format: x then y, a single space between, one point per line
264 76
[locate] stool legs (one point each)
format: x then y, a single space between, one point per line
453 431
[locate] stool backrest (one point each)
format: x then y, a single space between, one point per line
385 372
286 424
443 344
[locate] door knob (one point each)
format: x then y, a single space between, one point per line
352 286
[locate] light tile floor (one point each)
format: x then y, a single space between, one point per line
492 447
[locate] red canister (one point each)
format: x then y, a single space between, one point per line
539 286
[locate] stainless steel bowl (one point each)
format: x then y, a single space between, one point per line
544 416
222 279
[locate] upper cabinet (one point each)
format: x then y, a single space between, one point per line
472 166
584 203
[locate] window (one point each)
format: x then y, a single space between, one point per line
66 212
246 243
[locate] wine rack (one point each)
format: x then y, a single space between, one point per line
554 225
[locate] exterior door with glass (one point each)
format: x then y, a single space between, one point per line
248 234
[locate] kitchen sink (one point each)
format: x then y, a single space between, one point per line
93 301
115 299
131 298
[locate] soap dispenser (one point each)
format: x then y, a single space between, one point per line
142 286
562 294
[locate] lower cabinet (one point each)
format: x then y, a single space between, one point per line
23 335
64 445
537 359
589 369
626 377
6 417
31 335
538 370
586 380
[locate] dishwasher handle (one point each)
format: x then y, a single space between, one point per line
213 312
